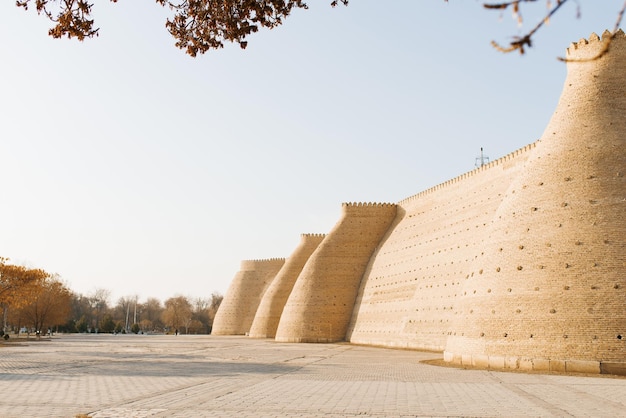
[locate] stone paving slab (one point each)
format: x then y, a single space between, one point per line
204 376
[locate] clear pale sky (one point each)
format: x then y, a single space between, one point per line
129 166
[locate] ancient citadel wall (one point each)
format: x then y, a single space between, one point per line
517 264
271 307
548 290
236 312
410 290
321 302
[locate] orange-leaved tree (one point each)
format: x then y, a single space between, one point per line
48 305
17 283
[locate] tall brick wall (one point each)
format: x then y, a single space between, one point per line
413 282
549 289
321 302
518 264
271 307
237 310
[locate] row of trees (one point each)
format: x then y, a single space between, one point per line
40 302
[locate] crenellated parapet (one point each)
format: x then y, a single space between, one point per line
255 263
312 235
584 49
274 299
368 205
507 160
237 310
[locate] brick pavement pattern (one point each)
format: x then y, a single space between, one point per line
209 376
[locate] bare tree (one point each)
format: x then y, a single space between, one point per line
151 313
178 313
99 302
216 300
520 42
127 310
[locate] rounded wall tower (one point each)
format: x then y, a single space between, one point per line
236 312
549 289
321 302
271 307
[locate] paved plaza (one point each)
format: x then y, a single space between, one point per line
205 376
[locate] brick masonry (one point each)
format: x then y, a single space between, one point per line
517 264
271 308
320 305
236 313
549 284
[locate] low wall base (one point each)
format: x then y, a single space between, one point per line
536 364
307 340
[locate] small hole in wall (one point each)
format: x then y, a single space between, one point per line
619 337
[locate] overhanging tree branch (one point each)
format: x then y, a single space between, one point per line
201 25
519 42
